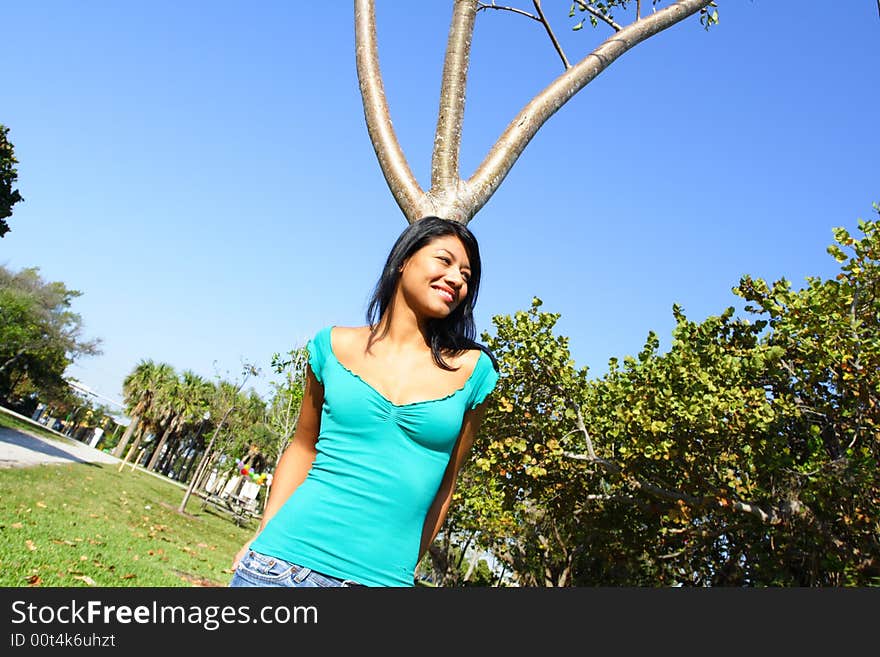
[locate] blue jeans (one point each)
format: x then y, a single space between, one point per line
257 569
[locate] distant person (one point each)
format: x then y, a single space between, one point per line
389 414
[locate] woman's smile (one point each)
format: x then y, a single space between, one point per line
445 293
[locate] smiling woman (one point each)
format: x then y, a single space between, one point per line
389 414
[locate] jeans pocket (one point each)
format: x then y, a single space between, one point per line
266 568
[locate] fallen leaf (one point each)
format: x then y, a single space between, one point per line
41 505
129 576
16 525
85 578
34 580
30 545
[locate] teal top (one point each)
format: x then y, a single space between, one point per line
360 511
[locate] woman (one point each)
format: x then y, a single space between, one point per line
389 414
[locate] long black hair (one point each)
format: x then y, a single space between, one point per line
451 334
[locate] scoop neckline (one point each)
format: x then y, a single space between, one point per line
383 397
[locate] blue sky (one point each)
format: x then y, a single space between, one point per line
201 171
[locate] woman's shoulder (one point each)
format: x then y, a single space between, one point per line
345 335
476 355
347 341
467 359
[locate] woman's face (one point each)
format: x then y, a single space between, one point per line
434 279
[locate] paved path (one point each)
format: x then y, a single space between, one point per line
19 449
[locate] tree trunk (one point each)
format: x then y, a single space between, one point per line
131 451
123 442
199 470
158 451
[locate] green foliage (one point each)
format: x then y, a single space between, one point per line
513 494
458 567
746 455
8 176
39 335
709 15
605 10
287 397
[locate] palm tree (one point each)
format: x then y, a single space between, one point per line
150 384
185 402
137 389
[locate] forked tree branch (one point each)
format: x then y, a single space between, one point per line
501 158
450 196
403 184
450 114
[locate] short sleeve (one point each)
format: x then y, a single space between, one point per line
484 382
318 348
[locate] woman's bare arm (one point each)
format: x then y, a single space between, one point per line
297 459
440 507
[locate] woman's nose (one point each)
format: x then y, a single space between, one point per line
454 279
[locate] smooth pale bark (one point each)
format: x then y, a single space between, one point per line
123 442
132 451
450 196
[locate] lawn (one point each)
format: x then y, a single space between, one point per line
91 525
12 422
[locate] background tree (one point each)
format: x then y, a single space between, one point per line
8 175
144 391
746 455
450 195
287 396
225 402
530 503
244 433
138 392
40 336
248 438
184 403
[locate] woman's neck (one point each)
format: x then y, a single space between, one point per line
405 330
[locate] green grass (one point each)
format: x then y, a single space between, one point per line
11 422
91 525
